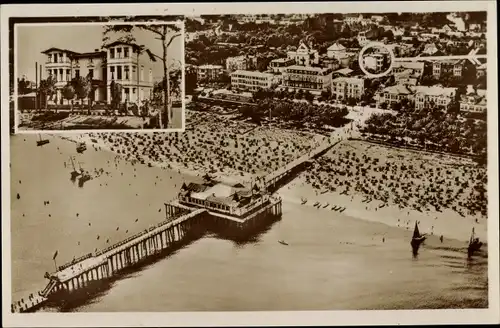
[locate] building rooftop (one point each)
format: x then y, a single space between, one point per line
435 90
307 68
336 47
252 73
58 49
281 60
398 89
344 71
210 66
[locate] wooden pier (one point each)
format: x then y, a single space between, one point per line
275 179
181 221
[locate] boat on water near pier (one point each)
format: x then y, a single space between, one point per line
417 239
81 147
474 244
41 142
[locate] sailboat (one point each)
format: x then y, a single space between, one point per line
41 142
74 173
474 244
417 239
84 176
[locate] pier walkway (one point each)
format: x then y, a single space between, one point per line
104 264
272 180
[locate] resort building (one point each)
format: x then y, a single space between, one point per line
375 62
210 72
406 77
474 101
218 197
336 50
280 64
394 94
434 95
422 96
451 67
64 65
252 80
241 63
348 87
304 56
130 65
313 79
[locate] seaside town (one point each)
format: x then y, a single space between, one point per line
111 87
351 116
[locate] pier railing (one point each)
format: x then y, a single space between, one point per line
68 264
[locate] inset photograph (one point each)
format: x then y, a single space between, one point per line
99 76
376 59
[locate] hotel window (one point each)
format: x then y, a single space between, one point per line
91 73
150 75
119 52
118 72
68 75
133 91
125 52
112 53
134 71
55 58
142 73
127 75
112 71
77 73
50 58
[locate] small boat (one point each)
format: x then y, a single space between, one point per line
74 173
41 142
417 239
81 147
474 244
342 209
316 204
326 205
282 242
335 208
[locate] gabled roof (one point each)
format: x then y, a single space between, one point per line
116 43
336 47
58 49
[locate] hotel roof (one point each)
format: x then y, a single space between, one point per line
252 73
336 47
398 89
435 90
409 65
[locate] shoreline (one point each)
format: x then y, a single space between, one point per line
432 223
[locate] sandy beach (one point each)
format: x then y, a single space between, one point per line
327 183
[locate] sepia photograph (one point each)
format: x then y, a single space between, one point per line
110 77
297 162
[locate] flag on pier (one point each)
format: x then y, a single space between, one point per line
55 255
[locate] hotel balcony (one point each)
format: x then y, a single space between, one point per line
60 63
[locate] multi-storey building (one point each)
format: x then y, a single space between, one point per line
336 50
451 67
313 79
304 56
394 94
280 64
64 65
348 87
131 66
434 95
241 63
210 72
252 80
416 68
422 96
474 101
375 61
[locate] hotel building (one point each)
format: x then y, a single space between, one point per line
130 65
304 56
313 79
348 87
474 101
279 65
64 65
210 72
252 80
